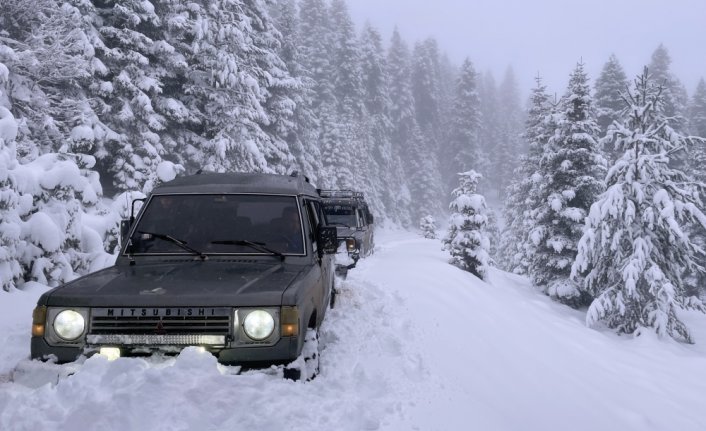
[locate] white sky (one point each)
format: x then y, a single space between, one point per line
550 36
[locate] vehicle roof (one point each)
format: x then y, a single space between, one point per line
238 183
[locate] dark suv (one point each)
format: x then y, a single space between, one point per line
238 264
349 212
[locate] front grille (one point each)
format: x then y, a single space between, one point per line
160 321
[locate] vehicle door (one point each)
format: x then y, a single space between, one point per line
366 229
314 218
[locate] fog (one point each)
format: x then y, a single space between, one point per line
549 36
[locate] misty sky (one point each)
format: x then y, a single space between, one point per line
550 36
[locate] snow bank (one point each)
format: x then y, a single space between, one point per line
413 344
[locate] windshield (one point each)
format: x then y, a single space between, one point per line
219 224
340 215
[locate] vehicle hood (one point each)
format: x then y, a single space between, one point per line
180 284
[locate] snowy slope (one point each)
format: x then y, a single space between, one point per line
413 344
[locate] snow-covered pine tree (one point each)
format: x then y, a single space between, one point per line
492 231
697 110
402 117
315 44
386 168
10 269
571 173
609 104
275 87
461 150
426 93
634 250
321 61
130 70
303 137
49 59
427 225
509 145
490 129
466 240
238 86
423 176
697 168
674 94
426 88
522 196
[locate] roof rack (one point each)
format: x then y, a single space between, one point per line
346 194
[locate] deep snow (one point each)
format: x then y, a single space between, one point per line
413 344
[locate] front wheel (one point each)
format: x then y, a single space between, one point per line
306 366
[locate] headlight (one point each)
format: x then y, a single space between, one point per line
258 325
350 244
69 325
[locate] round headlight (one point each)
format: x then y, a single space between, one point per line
258 325
69 325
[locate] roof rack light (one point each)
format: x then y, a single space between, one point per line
350 194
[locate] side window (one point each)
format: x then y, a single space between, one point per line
361 217
313 220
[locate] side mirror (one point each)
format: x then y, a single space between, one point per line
371 218
328 241
125 226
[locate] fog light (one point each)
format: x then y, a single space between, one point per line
112 353
200 349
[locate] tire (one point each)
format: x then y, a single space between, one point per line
332 301
306 366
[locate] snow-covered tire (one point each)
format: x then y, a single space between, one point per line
334 293
306 366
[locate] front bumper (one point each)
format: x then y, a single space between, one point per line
284 350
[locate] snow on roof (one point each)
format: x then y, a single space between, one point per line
237 183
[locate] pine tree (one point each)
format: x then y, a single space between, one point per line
348 92
466 239
609 104
697 168
426 88
302 138
426 92
10 270
674 93
697 111
427 225
461 151
402 117
509 145
571 170
384 167
489 131
49 60
316 49
492 231
423 177
132 60
635 250
277 87
523 193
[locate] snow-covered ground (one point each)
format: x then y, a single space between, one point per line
413 344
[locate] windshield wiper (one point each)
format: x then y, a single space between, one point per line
176 241
259 246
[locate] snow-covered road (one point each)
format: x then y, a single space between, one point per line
413 344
